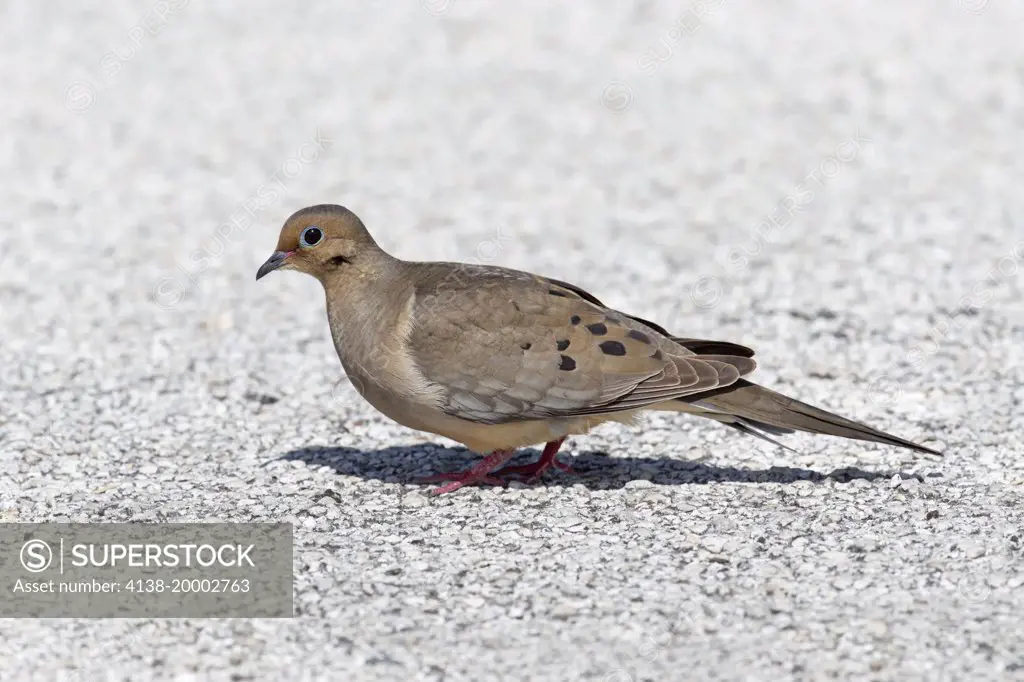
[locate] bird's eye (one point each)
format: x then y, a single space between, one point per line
310 237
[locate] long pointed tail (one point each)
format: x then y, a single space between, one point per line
755 406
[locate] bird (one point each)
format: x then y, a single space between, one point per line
498 359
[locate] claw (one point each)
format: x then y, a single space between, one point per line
479 474
534 471
483 472
467 480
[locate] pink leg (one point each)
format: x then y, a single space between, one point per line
537 469
477 475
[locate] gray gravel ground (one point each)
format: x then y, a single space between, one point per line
640 151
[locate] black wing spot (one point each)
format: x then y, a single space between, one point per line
563 344
639 336
598 328
567 364
613 348
575 319
526 345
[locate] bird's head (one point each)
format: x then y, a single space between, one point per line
323 241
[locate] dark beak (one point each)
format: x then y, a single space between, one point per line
273 263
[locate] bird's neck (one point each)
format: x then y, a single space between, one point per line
366 311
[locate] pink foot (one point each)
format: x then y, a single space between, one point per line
536 470
480 474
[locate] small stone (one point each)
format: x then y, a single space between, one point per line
878 628
714 543
509 536
564 611
910 485
415 500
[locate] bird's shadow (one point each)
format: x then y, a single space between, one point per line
594 469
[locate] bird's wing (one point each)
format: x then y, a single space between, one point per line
507 346
698 346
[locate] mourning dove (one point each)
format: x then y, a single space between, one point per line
497 359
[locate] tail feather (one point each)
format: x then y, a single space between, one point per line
773 412
744 427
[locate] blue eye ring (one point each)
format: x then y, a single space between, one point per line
310 237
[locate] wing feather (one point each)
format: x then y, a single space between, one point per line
508 346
